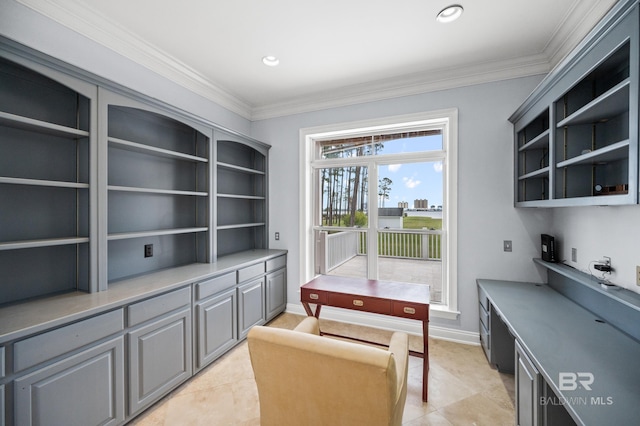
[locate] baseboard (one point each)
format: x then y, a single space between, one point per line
390 323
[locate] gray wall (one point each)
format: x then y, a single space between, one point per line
486 215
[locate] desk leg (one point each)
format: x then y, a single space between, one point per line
425 360
309 312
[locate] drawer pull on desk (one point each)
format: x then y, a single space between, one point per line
357 302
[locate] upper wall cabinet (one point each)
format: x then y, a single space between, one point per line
576 137
158 186
47 141
241 194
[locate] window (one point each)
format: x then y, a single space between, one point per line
378 202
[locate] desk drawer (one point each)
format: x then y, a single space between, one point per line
484 316
410 310
367 304
312 296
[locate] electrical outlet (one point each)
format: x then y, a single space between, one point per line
148 250
638 275
507 246
277 236
574 254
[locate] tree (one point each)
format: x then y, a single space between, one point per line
384 188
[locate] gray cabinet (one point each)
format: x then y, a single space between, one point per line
276 293
527 390
251 305
576 136
84 389
2 410
159 347
216 315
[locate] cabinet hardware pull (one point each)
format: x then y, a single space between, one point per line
313 296
408 310
357 302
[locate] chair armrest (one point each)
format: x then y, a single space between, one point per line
309 325
399 347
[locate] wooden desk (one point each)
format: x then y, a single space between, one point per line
397 299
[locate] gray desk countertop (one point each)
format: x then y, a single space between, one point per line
562 337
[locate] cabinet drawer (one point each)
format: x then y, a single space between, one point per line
215 285
485 338
148 309
277 263
312 296
484 316
249 272
482 296
410 310
43 347
368 304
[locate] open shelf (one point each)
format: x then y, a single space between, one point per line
18 245
40 182
610 104
613 152
544 172
156 191
30 124
147 149
539 142
240 168
142 234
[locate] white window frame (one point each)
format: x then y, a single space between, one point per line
447 120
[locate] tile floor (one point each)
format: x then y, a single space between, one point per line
463 389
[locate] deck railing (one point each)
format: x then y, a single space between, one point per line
339 247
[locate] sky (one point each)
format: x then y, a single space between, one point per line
413 181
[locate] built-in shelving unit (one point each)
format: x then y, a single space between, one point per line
158 190
127 230
581 148
45 144
533 159
241 211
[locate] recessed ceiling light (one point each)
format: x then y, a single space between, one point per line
270 61
449 13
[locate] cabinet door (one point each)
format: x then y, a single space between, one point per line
84 389
251 305
159 358
527 390
276 293
217 326
2 411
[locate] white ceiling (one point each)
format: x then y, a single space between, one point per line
332 52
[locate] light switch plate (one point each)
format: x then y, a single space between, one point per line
507 245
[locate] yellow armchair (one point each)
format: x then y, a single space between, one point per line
305 379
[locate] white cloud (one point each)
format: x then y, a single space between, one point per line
394 167
437 167
410 182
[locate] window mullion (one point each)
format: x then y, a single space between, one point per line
372 228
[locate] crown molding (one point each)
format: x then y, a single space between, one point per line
413 84
77 16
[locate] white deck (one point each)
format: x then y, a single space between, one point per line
396 269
